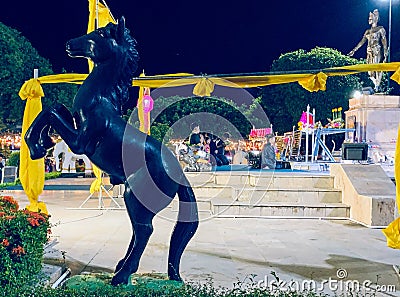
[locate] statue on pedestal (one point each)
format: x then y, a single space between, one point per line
376 37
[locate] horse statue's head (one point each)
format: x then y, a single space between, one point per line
112 50
109 44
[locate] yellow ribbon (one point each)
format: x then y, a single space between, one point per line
96 184
396 76
204 87
315 82
31 171
392 232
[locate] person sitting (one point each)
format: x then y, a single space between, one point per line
195 138
268 159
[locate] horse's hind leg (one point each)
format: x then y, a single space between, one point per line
184 230
141 219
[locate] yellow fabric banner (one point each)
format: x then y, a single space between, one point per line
104 17
102 12
315 82
31 172
140 106
96 184
392 232
397 169
204 84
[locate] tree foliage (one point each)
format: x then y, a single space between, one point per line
214 114
18 59
285 103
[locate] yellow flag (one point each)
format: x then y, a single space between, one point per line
392 232
104 17
31 171
102 12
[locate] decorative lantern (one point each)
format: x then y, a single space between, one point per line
148 102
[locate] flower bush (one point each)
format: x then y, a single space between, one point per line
22 236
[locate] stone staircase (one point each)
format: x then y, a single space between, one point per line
267 194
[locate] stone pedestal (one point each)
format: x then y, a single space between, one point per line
368 191
375 119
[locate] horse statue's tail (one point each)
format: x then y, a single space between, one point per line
184 230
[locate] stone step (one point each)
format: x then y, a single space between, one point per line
214 191
200 178
264 195
301 196
224 207
203 204
327 210
290 182
262 179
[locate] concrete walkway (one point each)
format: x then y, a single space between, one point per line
225 250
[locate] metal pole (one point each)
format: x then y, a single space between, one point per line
390 29
307 131
313 139
390 37
97 15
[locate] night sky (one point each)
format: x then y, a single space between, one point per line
204 36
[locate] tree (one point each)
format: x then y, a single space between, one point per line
285 103
17 60
214 114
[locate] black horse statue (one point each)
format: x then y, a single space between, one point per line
151 173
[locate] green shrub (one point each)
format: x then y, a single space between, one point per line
22 236
52 175
13 159
208 289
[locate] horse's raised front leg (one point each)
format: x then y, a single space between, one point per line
37 137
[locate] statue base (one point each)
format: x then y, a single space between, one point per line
375 119
95 281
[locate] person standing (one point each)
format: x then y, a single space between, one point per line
2 165
268 158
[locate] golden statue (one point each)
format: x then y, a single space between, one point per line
376 37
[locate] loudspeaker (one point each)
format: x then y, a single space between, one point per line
355 151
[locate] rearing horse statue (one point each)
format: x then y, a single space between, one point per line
151 173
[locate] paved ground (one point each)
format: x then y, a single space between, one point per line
225 250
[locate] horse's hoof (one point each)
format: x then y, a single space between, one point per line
173 275
119 279
37 152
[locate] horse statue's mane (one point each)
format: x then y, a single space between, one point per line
127 68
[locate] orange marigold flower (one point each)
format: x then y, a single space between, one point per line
19 250
5 242
36 215
9 217
33 222
13 203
